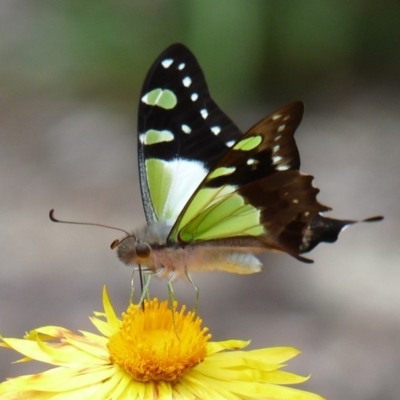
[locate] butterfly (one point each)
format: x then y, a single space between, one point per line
214 198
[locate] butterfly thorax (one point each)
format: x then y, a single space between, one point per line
150 249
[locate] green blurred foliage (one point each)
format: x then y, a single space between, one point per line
251 50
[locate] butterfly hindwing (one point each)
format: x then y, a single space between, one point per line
255 190
266 148
182 133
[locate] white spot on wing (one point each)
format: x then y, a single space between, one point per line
186 128
276 159
204 113
186 81
181 66
276 148
145 98
276 117
251 161
215 130
230 143
277 138
282 167
281 128
167 62
194 96
184 177
295 201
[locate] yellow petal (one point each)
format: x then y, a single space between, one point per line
65 354
274 355
89 347
215 347
112 318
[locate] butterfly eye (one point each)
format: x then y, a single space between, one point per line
143 250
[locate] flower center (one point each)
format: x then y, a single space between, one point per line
158 343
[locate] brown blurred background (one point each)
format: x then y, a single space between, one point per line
70 76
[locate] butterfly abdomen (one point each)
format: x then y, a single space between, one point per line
177 262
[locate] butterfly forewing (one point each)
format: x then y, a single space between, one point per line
182 133
255 190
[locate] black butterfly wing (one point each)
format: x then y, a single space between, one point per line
255 191
182 133
323 229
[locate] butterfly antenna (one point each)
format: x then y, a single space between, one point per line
373 219
115 243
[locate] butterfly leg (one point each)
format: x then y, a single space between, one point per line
171 291
132 287
145 290
172 300
196 304
131 297
144 286
159 271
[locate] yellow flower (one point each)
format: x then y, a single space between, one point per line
155 353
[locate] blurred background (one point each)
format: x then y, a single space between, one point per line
70 77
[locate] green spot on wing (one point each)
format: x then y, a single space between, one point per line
216 214
248 144
161 98
229 217
203 199
153 136
221 171
159 188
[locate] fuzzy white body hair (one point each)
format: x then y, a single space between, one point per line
176 261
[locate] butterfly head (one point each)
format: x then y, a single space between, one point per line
132 251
